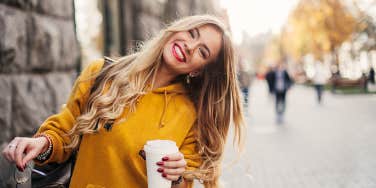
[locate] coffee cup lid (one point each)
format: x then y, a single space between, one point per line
168 146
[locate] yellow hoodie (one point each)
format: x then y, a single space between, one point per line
110 158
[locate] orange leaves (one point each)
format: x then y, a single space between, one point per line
318 27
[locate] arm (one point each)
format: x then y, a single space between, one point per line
173 166
191 156
58 125
52 133
289 81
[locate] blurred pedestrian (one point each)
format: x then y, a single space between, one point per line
336 75
371 75
281 83
320 78
269 76
245 78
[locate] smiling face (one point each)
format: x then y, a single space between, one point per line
189 51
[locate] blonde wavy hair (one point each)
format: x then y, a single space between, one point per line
215 94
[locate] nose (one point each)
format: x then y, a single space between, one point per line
190 47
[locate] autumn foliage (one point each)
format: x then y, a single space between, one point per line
317 27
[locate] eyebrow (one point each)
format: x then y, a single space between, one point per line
206 47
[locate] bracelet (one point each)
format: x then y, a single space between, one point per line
43 156
178 181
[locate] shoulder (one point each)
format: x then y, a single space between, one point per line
93 67
88 74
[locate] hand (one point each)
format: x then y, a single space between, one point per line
22 149
172 166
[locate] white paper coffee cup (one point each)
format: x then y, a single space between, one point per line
155 150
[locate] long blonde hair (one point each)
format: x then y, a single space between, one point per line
215 94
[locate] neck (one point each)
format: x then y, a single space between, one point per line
163 78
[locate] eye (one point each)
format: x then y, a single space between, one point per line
191 32
202 52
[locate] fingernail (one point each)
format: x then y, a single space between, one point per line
160 163
164 175
165 159
160 170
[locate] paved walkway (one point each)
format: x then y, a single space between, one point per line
332 145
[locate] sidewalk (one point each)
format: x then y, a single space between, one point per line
320 146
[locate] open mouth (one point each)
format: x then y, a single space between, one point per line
178 53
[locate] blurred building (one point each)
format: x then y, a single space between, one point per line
127 22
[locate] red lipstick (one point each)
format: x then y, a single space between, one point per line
178 53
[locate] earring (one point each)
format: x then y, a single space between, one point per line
188 79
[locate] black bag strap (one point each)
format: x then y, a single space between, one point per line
107 61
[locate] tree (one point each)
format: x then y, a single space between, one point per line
317 27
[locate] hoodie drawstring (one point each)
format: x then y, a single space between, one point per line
166 101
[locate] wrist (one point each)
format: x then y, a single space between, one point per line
44 142
47 146
178 181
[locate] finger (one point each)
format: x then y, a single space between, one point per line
12 147
6 154
170 177
29 156
173 164
173 157
12 150
19 153
174 171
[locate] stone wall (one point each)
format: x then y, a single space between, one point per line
39 56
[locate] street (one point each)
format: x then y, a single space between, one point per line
332 145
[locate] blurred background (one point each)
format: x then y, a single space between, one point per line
305 67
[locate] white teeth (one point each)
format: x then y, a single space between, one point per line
178 52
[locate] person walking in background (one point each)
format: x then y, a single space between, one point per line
269 76
320 78
281 83
244 77
371 76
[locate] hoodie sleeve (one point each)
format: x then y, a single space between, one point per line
191 155
57 126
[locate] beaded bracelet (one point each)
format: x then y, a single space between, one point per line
178 181
43 156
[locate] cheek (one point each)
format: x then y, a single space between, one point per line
166 54
197 63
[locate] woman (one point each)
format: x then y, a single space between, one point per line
180 86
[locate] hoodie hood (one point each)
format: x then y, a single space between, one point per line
175 88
